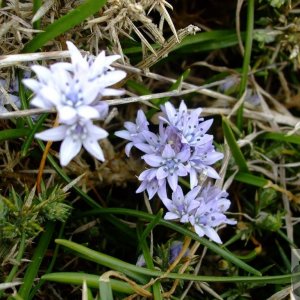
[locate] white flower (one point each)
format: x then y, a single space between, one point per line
75 88
74 136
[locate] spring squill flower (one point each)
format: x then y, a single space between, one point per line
181 147
169 165
200 163
151 184
134 132
75 89
181 205
175 249
213 203
74 136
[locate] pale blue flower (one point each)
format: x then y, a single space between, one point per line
74 136
75 89
12 98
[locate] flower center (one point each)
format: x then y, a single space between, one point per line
171 165
77 132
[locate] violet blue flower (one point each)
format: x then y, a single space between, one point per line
181 205
169 165
134 132
151 184
175 249
200 161
182 147
210 213
74 136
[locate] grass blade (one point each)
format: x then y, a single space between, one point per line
39 253
277 136
246 61
210 245
234 147
91 280
251 179
8 134
105 288
68 21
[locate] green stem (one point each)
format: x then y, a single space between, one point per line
246 61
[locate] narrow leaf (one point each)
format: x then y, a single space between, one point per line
68 21
234 147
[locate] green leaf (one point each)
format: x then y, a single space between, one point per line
105 260
36 260
105 288
207 41
246 60
97 257
27 143
8 134
185 232
277 136
150 226
91 280
251 179
68 21
199 42
234 147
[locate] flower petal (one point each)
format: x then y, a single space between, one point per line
50 94
42 73
93 147
193 178
112 92
77 60
111 78
68 150
87 112
162 173
173 181
67 114
41 102
33 84
96 132
212 234
152 160
128 148
204 126
168 152
171 216
53 134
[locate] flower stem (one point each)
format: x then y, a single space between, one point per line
43 161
